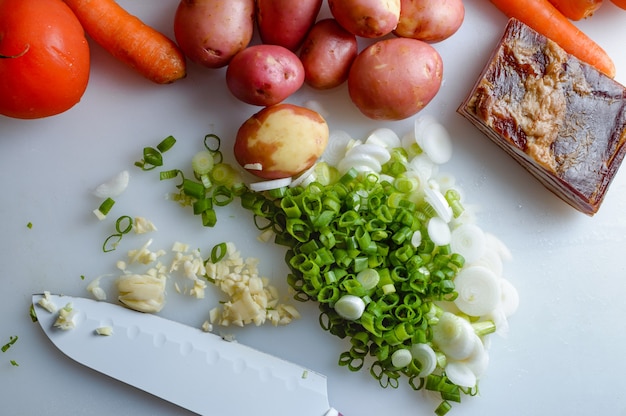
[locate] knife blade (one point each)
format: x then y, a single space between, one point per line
196 370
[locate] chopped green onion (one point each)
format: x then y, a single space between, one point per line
111 242
222 195
166 144
171 174
151 159
193 189
202 205
33 313
218 252
105 207
120 221
12 340
209 218
443 408
212 147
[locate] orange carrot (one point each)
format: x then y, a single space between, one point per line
543 17
577 9
127 38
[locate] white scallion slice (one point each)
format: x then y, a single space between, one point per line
439 231
469 241
497 245
509 298
271 184
114 186
479 290
384 137
368 278
478 361
253 166
446 181
454 336
410 145
499 320
424 165
324 173
436 199
460 374
436 143
350 307
361 162
401 358
416 238
202 162
379 153
491 260
304 176
420 125
426 356
338 143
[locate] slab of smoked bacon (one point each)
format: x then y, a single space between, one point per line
558 117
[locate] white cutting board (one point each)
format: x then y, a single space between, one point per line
564 353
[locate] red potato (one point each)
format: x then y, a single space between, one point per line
264 74
430 20
327 54
286 22
211 32
395 78
281 141
366 18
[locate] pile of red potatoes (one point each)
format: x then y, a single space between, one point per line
392 78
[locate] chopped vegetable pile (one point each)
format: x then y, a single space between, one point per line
382 241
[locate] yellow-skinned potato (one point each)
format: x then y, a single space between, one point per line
211 32
366 18
395 78
286 22
281 141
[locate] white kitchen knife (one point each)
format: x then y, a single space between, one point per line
196 370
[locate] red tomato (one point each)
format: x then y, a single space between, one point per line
620 3
44 58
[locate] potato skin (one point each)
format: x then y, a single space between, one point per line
264 74
286 22
430 20
327 54
366 18
211 32
284 139
395 78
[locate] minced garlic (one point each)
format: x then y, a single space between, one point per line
65 320
251 298
142 292
46 303
141 225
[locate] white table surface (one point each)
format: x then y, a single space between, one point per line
565 350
